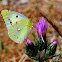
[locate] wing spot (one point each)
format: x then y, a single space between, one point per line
18 29
16 22
10 22
26 25
17 37
14 35
16 16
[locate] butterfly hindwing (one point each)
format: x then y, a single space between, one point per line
18 32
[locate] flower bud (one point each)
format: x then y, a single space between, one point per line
28 42
55 42
51 48
31 50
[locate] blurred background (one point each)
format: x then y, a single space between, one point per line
35 9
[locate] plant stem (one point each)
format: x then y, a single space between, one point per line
46 58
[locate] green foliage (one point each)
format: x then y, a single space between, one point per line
51 5
36 6
40 44
6 50
51 49
31 51
0 0
0 59
2 45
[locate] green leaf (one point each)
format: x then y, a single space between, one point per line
2 45
6 50
0 0
51 5
36 6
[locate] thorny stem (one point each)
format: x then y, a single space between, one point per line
50 57
55 56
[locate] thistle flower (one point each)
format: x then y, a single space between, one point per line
41 28
51 49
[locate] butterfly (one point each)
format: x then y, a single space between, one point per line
17 24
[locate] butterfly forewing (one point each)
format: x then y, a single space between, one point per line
12 17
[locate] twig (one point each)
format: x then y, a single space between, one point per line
54 26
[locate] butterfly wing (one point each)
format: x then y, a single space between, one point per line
18 32
12 17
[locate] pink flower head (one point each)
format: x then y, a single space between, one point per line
55 42
28 42
41 27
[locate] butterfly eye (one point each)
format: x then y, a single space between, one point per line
16 16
